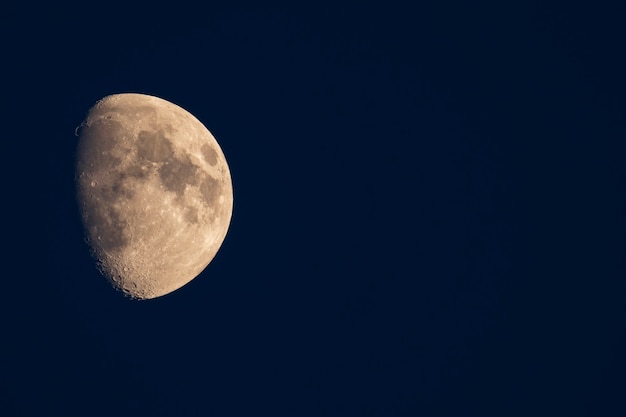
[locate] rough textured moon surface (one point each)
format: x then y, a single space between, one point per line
155 193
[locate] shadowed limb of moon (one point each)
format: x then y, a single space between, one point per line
155 193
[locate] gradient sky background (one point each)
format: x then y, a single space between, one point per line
428 221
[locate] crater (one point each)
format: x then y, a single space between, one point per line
153 146
209 154
175 174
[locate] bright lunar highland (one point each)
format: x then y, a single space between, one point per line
155 193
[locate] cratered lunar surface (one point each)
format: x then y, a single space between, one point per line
154 191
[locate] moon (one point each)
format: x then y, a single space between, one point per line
154 191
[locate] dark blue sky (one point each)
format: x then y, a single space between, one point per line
428 220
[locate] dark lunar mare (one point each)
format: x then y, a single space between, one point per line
176 173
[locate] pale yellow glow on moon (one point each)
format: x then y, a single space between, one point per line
155 193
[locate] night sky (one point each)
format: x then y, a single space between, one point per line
429 211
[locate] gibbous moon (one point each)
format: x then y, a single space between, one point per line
154 191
